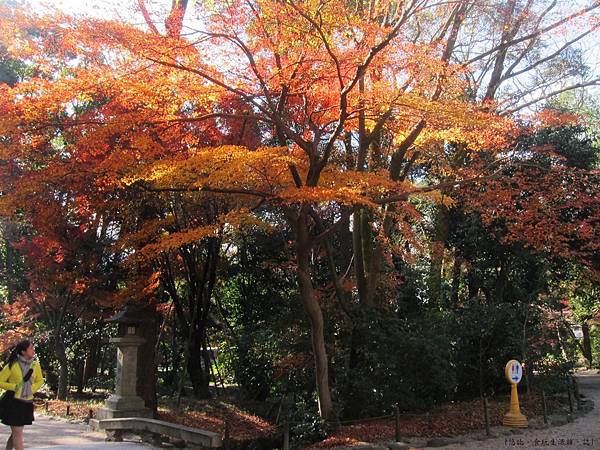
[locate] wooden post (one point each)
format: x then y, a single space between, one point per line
286 433
545 407
486 416
47 406
90 415
397 434
68 410
227 438
570 393
576 391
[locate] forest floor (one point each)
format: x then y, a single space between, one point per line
210 415
453 426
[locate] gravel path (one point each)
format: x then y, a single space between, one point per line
50 433
582 434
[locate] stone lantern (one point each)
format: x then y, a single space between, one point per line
125 402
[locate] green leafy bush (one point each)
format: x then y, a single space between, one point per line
393 361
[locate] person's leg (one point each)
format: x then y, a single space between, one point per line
17 438
9 443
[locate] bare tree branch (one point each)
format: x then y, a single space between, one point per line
594 82
510 43
509 74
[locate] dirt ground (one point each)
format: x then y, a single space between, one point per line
582 434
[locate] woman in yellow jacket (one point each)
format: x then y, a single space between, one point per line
18 411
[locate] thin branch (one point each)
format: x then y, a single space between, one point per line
248 53
147 18
326 232
508 73
244 95
75 123
343 104
504 45
212 116
325 42
532 41
594 82
443 185
206 189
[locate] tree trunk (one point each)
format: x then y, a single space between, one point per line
93 359
199 374
359 257
441 223
79 373
480 357
146 385
524 354
171 378
587 344
315 315
501 281
63 363
455 285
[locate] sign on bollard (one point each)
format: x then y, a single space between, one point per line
514 371
514 418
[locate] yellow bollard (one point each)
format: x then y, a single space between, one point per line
514 418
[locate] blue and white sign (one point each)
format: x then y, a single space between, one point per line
513 371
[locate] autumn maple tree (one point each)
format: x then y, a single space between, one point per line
331 114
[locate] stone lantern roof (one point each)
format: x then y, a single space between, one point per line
131 315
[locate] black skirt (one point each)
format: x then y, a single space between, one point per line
17 413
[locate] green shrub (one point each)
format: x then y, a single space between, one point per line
551 374
404 362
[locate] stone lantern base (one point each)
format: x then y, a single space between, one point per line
125 402
117 407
